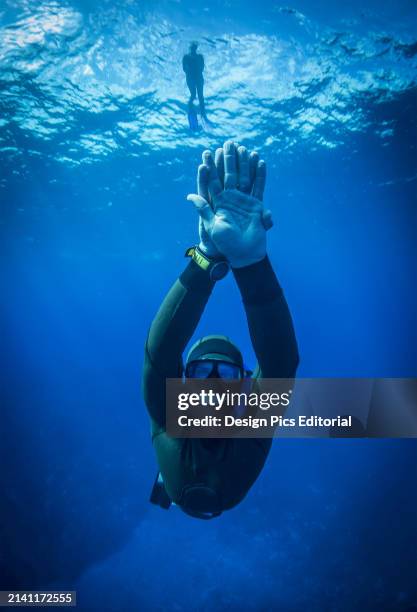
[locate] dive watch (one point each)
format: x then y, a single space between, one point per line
217 267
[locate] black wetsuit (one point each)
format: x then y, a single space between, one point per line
230 466
193 66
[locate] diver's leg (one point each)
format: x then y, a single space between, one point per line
200 92
193 90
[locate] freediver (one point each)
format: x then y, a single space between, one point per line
193 66
205 480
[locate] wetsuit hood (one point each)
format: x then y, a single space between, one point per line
216 347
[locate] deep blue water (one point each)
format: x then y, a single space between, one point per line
96 159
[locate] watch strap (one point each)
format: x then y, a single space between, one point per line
198 256
217 268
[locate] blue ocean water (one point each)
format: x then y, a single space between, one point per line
96 159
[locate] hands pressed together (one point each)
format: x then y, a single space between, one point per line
233 221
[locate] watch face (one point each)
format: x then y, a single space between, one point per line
219 270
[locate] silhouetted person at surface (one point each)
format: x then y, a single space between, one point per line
193 66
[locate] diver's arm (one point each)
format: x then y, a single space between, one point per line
269 320
169 333
182 308
177 319
233 217
185 63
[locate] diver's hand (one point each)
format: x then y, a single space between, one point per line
206 243
230 204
